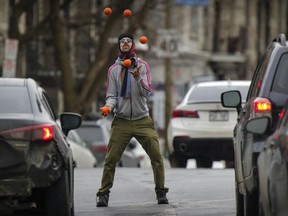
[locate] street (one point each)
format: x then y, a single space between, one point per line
193 192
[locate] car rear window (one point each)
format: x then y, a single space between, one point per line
281 79
213 93
14 100
93 134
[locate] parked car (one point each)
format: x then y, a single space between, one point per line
82 156
36 166
97 133
96 136
267 95
200 128
272 165
135 156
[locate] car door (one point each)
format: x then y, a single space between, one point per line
242 148
248 139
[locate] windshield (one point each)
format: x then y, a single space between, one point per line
213 93
281 79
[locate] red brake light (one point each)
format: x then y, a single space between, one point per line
281 114
48 133
262 105
99 148
34 132
184 113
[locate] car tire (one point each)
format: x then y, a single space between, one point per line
57 198
239 201
177 160
204 162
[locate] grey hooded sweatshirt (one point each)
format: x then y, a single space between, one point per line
135 106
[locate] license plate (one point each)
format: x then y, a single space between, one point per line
218 116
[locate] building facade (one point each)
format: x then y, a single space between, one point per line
218 39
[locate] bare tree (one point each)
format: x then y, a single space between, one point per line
80 99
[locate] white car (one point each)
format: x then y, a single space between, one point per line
82 156
135 156
200 128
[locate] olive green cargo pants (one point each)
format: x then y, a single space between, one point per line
121 132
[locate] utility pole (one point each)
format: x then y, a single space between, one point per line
168 79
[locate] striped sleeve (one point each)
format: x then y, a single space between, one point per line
146 78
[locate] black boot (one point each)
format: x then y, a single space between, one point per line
102 199
161 196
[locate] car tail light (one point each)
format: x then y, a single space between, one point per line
262 105
184 113
33 133
43 132
181 137
281 114
99 148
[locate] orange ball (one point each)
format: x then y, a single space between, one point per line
127 13
143 39
127 63
105 110
108 11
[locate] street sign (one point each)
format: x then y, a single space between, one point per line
167 43
11 49
10 57
9 66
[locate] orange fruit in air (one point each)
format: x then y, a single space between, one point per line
105 110
127 13
108 11
127 63
143 39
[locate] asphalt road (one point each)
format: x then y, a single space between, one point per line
193 192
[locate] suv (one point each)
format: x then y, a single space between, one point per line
267 95
36 162
200 128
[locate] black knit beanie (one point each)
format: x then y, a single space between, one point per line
125 35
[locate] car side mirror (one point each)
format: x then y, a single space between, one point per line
258 125
70 121
232 99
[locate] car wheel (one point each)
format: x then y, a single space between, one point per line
239 201
57 197
177 160
204 162
251 203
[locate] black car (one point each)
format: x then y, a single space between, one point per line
36 164
267 95
272 165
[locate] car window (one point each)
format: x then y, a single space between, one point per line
259 74
14 100
281 79
213 93
48 105
91 134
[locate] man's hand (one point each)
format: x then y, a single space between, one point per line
105 111
136 72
